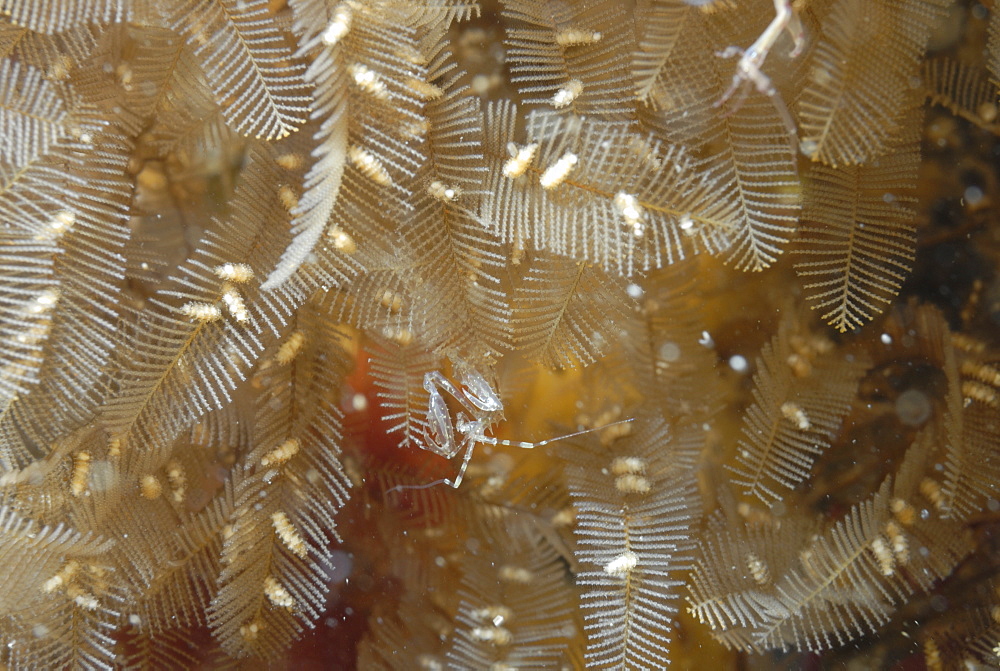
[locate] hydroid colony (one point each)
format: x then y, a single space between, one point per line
224 220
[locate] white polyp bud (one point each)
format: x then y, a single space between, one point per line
687 224
391 300
342 241
622 565
234 303
555 174
758 569
240 273
445 194
288 198
494 635
981 371
62 221
150 487
114 447
626 465
250 631
44 301
62 578
369 166
900 545
795 414
630 209
368 81
290 348
883 556
632 484
177 479
339 26
288 534
515 574
903 512
932 492
277 594
564 517
520 159
280 454
201 312
290 161
425 90
567 94
572 37
81 471
85 601
415 129
977 391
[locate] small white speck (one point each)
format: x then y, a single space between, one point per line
738 363
973 195
886 339
669 351
634 290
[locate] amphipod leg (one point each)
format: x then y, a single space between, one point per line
748 69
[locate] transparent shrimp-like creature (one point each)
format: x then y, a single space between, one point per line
748 69
482 409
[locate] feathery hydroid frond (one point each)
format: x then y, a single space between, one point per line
660 28
241 49
858 242
844 582
550 46
33 115
633 507
626 204
278 556
665 356
972 450
733 578
860 79
398 372
515 610
57 16
45 552
964 90
566 311
469 307
795 415
210 340
322 182
67 208
756 171
172 577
